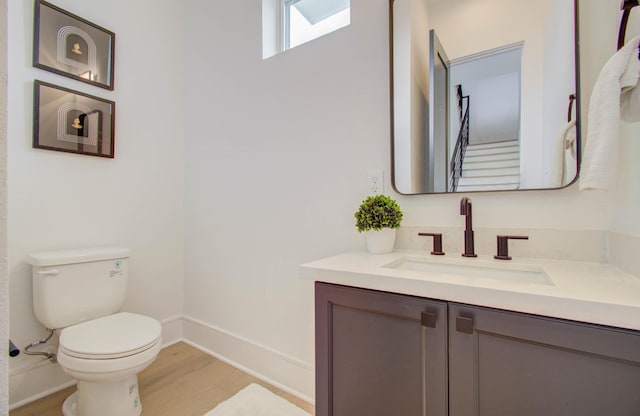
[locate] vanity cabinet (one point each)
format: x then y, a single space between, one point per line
381 353
507 363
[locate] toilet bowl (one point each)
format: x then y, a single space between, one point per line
105 355
79 293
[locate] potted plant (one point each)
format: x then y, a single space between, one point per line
378 217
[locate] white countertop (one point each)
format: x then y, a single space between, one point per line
580 291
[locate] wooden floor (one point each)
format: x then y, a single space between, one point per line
182 381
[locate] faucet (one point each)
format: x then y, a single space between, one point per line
465 209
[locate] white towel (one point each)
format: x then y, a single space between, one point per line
614 89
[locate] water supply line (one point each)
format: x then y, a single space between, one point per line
50 356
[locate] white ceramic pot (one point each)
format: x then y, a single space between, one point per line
380 242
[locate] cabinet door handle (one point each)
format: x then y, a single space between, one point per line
464 325
428 319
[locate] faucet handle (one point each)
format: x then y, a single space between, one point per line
503 245
437 243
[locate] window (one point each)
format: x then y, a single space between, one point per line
289 23
305 20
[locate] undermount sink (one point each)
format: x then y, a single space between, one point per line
474 268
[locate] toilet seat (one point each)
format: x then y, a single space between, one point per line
111 337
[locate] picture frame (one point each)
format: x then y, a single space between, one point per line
73 122
73 47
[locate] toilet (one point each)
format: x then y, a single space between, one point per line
79 293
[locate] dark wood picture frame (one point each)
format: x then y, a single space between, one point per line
71 46
73 122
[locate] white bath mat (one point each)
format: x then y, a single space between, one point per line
255 400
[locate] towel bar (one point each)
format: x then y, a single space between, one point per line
572 98
626 7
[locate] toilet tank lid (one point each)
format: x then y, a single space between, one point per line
82 255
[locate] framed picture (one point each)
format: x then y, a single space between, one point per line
72 46
73 122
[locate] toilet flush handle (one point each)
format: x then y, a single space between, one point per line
50 272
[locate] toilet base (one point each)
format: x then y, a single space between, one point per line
104 399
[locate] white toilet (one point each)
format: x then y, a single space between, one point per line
79 293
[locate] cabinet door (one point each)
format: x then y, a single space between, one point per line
507 364
379 354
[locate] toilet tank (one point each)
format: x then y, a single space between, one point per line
73 286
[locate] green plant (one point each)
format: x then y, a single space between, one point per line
377 212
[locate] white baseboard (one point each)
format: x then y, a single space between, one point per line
171 331
280 370
35 382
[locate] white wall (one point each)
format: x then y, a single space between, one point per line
498 75
4 281
500 120
627 193
277 154
58 200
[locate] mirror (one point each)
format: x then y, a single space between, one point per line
483 95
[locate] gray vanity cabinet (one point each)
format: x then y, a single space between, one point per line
506 363
385 354
379 354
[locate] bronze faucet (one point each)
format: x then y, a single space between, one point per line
465 209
